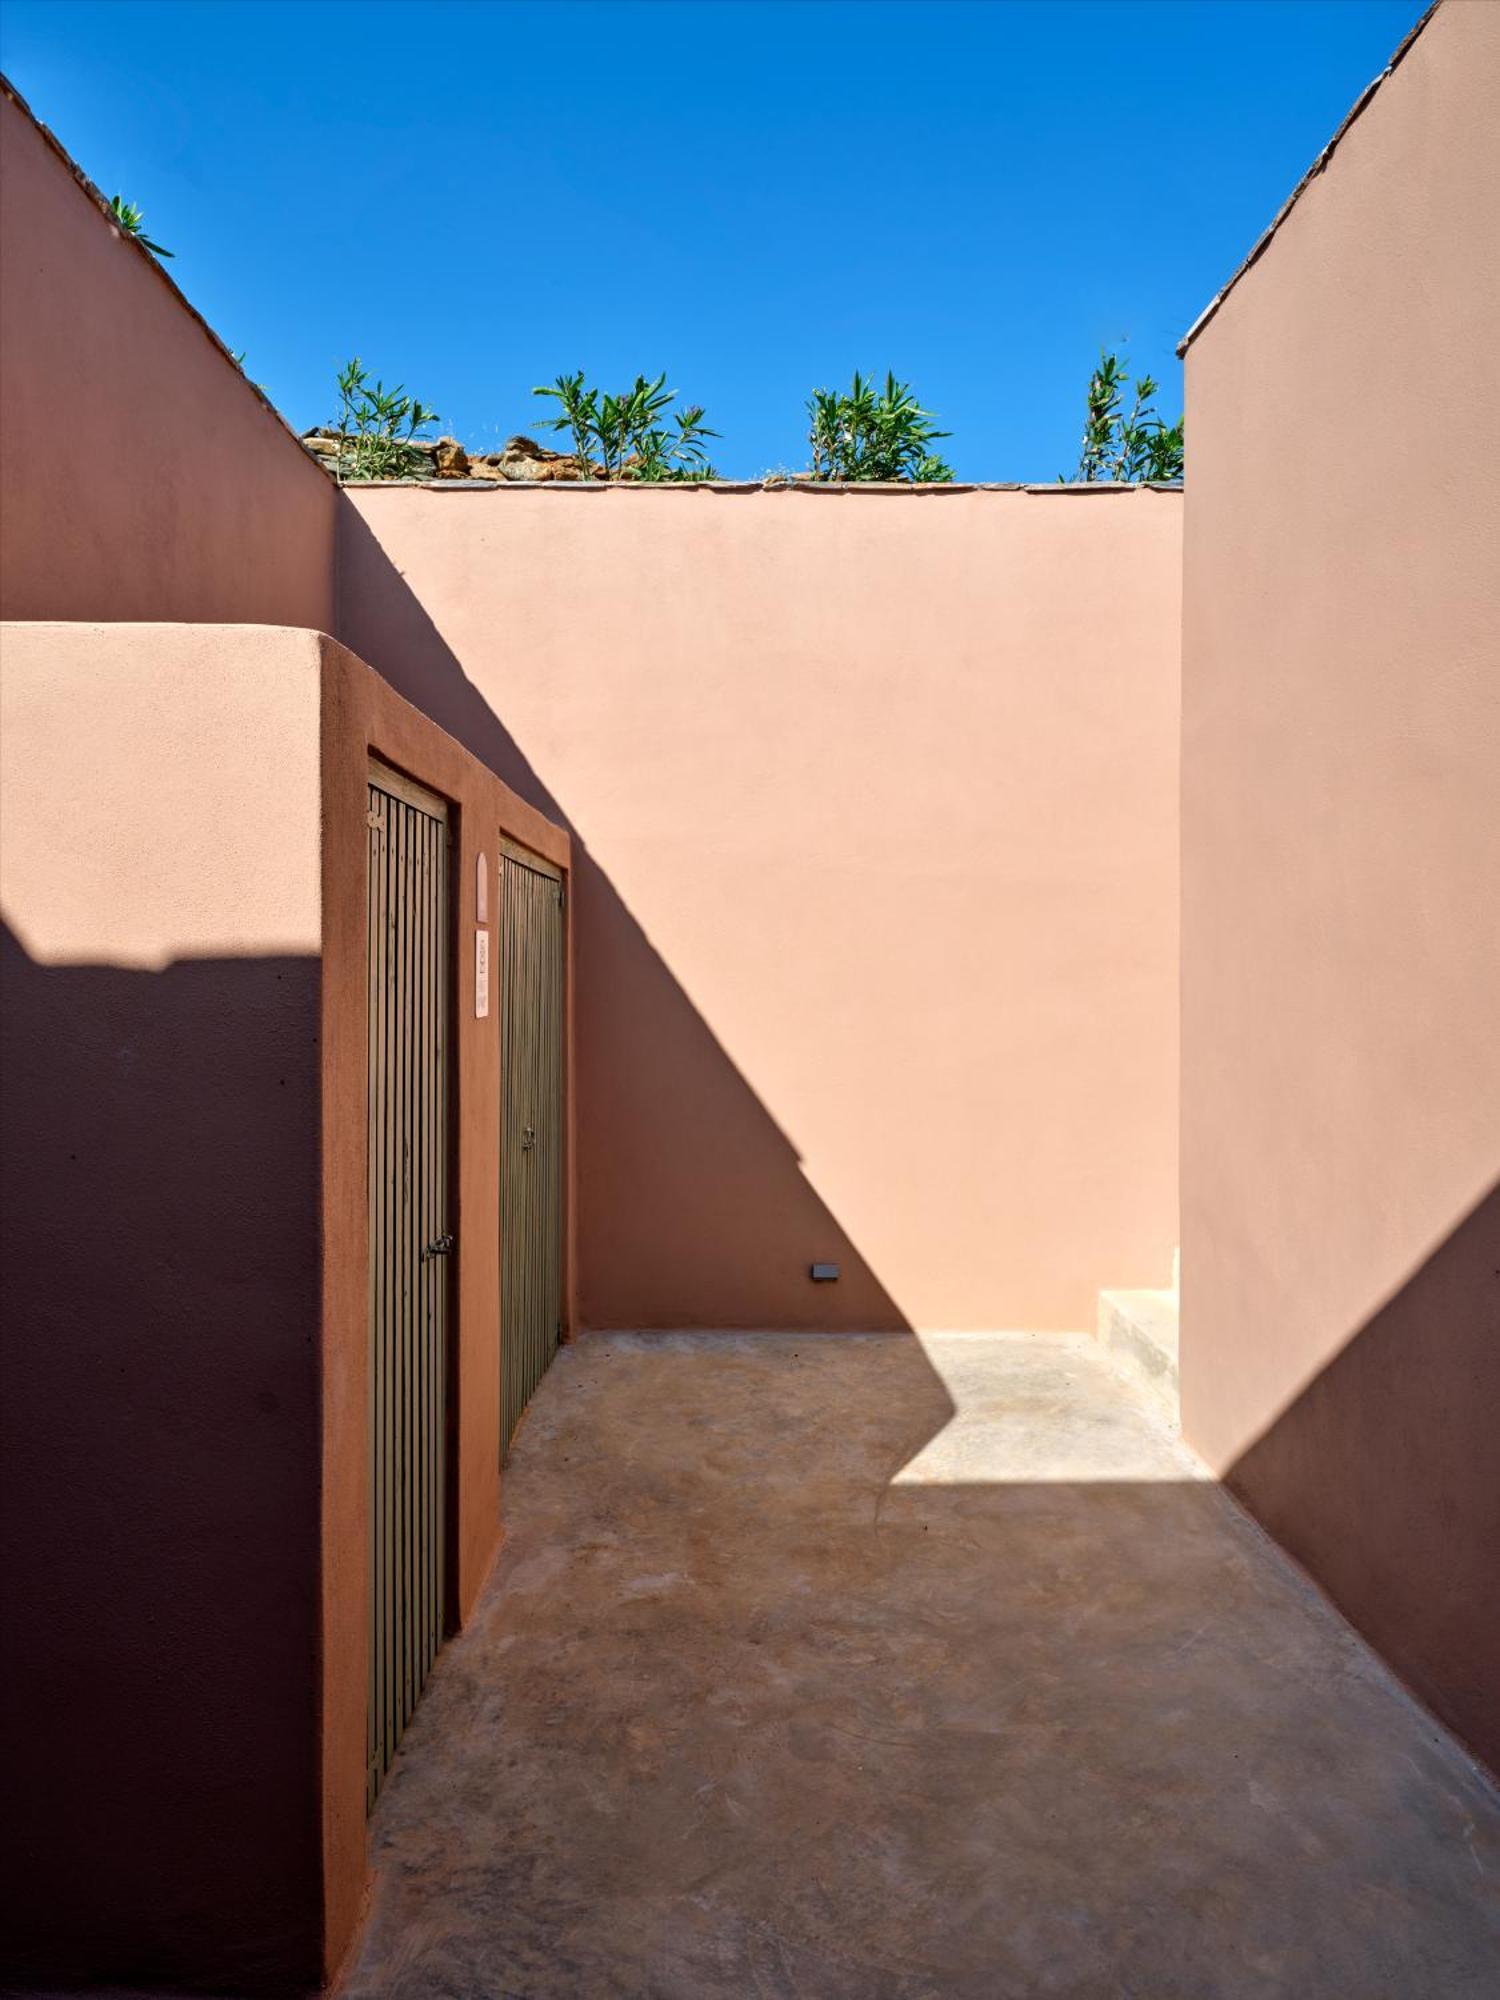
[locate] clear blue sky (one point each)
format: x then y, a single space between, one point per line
757 197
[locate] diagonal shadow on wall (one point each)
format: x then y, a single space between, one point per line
742 1220
159 1480
1378 1478
1383 1479
1399 1528
1095 1656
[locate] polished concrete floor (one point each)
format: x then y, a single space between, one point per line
900 1669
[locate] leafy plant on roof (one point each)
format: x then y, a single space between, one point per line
375 427
1120 445
131 221
874 433
633 436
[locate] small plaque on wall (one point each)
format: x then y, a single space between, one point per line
481 975
482 889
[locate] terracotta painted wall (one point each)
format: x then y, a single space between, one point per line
1341 878
140 474
361 718
184 1233
875 798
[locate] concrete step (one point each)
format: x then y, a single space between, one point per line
1138 1331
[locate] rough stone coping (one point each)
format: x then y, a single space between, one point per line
1263 241
321 460
856 486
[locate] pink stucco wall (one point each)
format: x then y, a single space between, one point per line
184 1390
141 477
1341 877
877 794
159 1216
876 799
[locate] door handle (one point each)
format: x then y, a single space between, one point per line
438 1247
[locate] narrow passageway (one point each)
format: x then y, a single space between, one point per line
846 1668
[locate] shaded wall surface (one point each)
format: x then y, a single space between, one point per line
1341 879
876 804
140 474
184 1350
159 1212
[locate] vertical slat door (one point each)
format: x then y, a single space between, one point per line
410 1242
531 1135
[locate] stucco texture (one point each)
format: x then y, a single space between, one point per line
141 477
875 803
160 1223
1341 878
185 1236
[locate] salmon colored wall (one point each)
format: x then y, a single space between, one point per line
141 476
185 1245
878 933
875 801
159 887
1341 878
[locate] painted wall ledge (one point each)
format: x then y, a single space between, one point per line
1263 242
858 486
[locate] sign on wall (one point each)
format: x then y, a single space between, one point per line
481 975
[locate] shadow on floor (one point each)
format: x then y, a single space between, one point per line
160 1566
826 1669
883 1668
1379 1478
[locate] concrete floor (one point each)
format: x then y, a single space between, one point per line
899 1669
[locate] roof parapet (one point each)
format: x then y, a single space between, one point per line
1262 242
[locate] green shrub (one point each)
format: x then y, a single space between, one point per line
629 437
131 221
874 434
375 427
1121 447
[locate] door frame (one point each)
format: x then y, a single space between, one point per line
359 716
421 798
529 858
511 849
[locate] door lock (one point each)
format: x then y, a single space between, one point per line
438 1247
